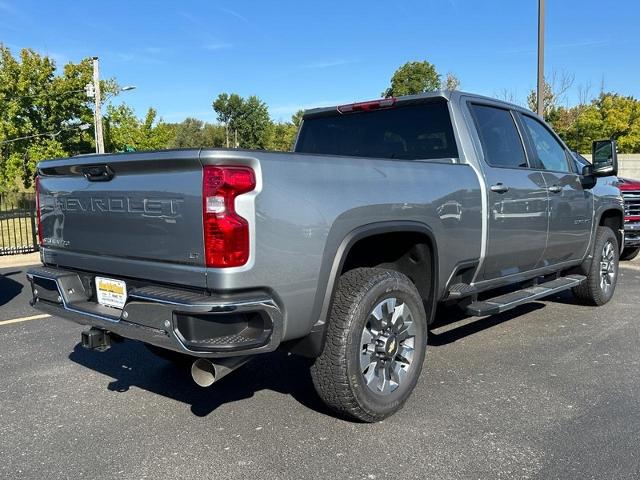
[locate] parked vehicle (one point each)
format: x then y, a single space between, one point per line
631 193
340 250
630 189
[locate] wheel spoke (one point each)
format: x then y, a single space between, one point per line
405 354
376 319
367 359
408 331
384 382
397 318
388 308
367 337
398 372
370 375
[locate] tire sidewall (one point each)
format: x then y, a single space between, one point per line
605 235
390 285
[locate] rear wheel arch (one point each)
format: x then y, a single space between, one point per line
335 260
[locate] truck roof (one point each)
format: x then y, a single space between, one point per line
449 95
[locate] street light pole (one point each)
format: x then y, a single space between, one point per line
541 58
97 113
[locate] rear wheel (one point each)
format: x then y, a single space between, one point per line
375 345
602 277
629 253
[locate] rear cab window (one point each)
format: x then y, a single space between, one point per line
412 132
501 142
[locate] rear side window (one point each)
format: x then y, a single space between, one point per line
549 151
420 131
499 136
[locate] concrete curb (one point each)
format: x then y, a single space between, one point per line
23 260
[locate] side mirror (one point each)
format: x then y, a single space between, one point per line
605 158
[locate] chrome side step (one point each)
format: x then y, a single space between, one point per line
511 300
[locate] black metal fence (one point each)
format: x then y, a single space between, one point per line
18 223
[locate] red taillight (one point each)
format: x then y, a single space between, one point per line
39 225
367 106
226 234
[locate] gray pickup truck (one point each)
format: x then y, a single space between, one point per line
340 250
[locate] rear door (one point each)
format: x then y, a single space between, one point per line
570 205
517 195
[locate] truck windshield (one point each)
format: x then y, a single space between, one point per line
418 131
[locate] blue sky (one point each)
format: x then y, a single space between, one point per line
297 54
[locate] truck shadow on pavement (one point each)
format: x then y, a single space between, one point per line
9 288
130 364
444 330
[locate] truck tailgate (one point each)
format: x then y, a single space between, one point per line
142 208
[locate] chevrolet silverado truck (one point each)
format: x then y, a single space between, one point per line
339 250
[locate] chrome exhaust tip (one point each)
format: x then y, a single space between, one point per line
206 372
203 372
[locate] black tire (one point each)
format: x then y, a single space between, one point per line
629 253
337 374
596 290
177 358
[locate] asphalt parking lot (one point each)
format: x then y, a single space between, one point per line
550 390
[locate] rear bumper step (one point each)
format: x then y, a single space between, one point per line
188 322
511 300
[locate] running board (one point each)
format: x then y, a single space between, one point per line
511 300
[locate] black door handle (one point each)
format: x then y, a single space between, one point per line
555 188
499 188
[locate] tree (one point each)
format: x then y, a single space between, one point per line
451 82
247 121
125 132
296 118
554 93
194 133
45 105
229 109
413 78
253 124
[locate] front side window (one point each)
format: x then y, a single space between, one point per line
550 152
499 136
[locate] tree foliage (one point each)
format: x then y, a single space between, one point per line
413 78
247 121
125 132
608 116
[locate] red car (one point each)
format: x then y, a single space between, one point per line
631 193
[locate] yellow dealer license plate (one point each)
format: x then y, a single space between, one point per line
111 293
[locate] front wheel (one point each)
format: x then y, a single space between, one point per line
375 345
602 277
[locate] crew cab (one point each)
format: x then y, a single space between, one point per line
340 250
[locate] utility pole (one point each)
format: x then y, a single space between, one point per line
541 58
97 114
